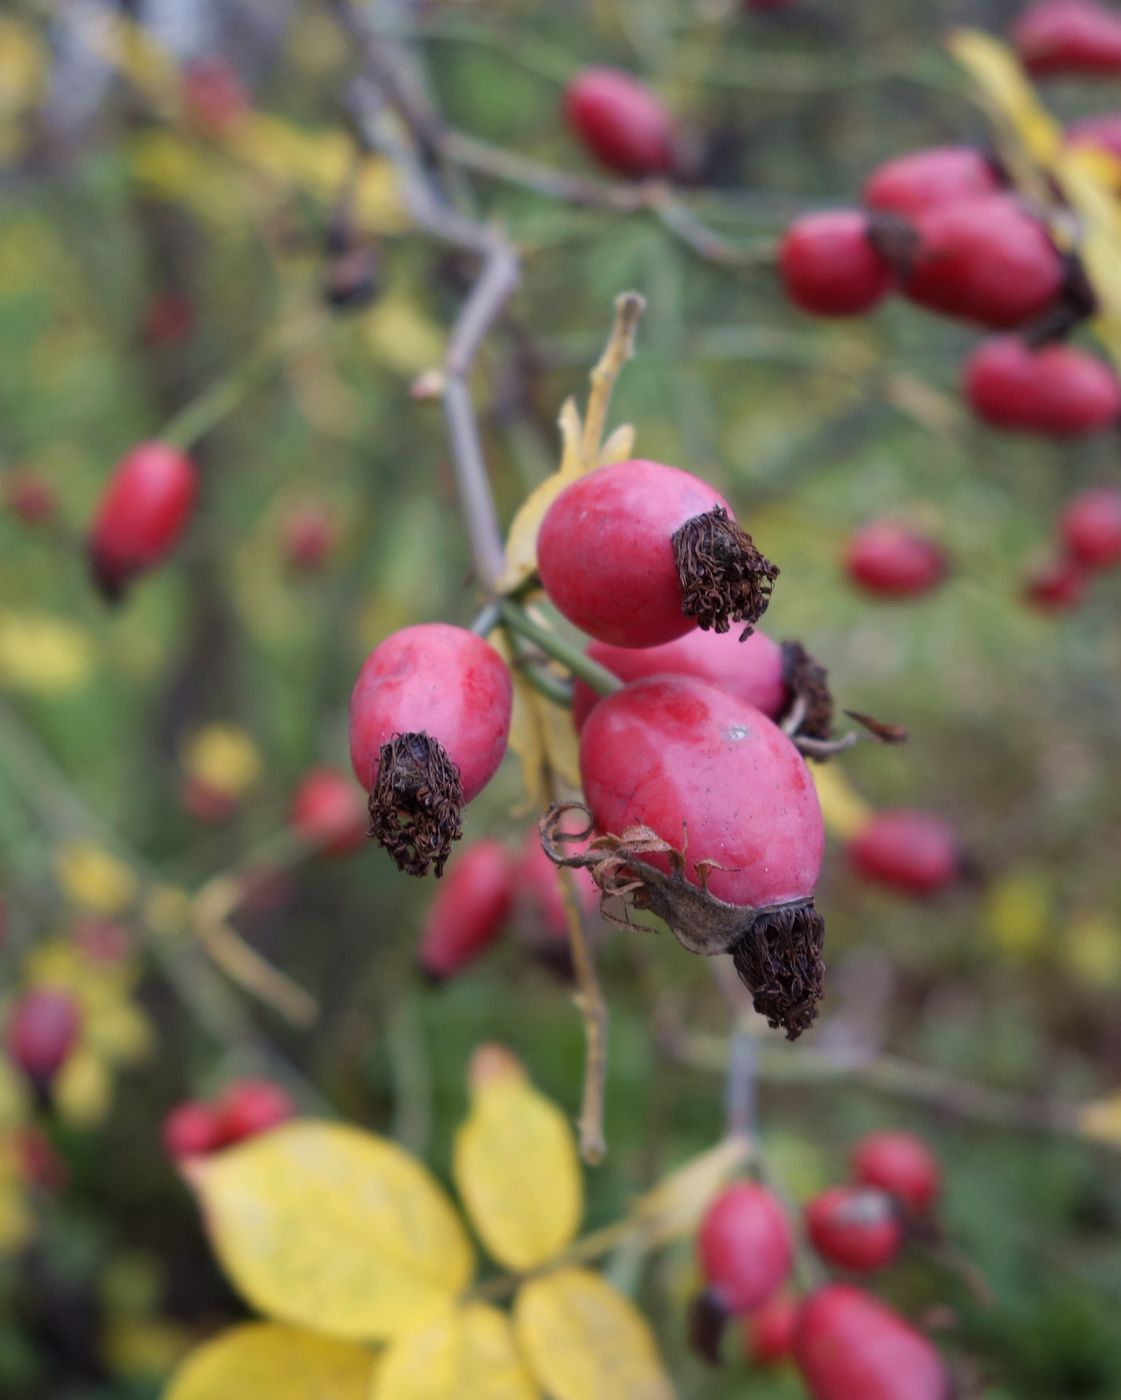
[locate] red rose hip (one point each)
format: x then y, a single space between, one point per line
855 1227
982 260
850 1346
250 1107
637 554
902 1165
429 719
768 1333
328 813
1096 133
142 514
1090 527
193 1129
1069 36
42 1030
539 890
910 184
830 266
891 561
911 852
703 769
1055 586
621 122
1058 390
744 1248
468 911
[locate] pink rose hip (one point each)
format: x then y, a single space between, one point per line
429 719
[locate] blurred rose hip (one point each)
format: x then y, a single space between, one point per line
1058 390
850 1346
855 1227
901 1164
327 812
744 1248
1079 37
922 180
891 561
1055 586
621 122
768 1332
29 497
42 1030
830 266
911 852
192 1129
1090 527
469 910
142 514
252 1106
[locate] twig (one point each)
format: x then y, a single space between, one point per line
593 1009
629 306
601 680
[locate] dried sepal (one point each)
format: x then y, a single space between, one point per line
707 1320
724 578
416 802
807 683
776 949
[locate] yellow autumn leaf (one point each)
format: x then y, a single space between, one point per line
515 1165
92 878
467 1353
844 810
166 909
1017 911
118 1031
144 1348
42 654
1027 128
16 1220
223 757
13 1096
1092 951
521 542
328 1227
542 734
1101 1119
673 1208
264 1359
584 1341
400 336
169 167
83 1088
24 65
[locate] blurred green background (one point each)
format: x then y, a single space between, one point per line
111 200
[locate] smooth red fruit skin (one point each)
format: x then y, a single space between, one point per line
911 852
850 1346
438 680
1058 390
605 551
1069 36
744 1247
1058 585
29 497
910 184
193 1129
768 1333
698 765
142 514
830 268
537 880
43 1028
621 122
1090 527
328 813
855 1227
983 260
891 561
252 1106
900 1164
751 669
469 909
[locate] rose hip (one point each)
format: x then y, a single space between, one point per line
1056 585
429 719
911 852
855 1227
142 514
1090 527
250 1107
830 267
1058 390
43 1028
913 183
900 1164
637 554
850 1346
744 1248
193 1129
768 1333
468 911
1079 37
328 813
891 561
621 122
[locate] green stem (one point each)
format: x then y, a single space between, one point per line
571 657
550 686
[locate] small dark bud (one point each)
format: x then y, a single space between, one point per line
779 961
109 577
724 578
707 1320
351 280
895 240
415 803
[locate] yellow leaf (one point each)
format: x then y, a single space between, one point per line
521 542
166 909
83 1088
43 654
1092 950
844 810
541 733
16 1220
1018 912
119 1031
619 447
466 1354
92 878
1027 127
673 1209
144 1348
402 337
24 64
515 1166
262 1359
223 757
13 1096
585 1341
328 1227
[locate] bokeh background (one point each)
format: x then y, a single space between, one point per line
146 254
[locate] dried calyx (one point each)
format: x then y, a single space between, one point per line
807 684
415 803
895 239
777 950
724 578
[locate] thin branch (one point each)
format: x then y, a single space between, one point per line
593 1009
629 307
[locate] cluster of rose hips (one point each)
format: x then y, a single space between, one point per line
247 1108
649 562
1089 541
846 1343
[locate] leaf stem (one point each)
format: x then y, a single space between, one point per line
517 620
